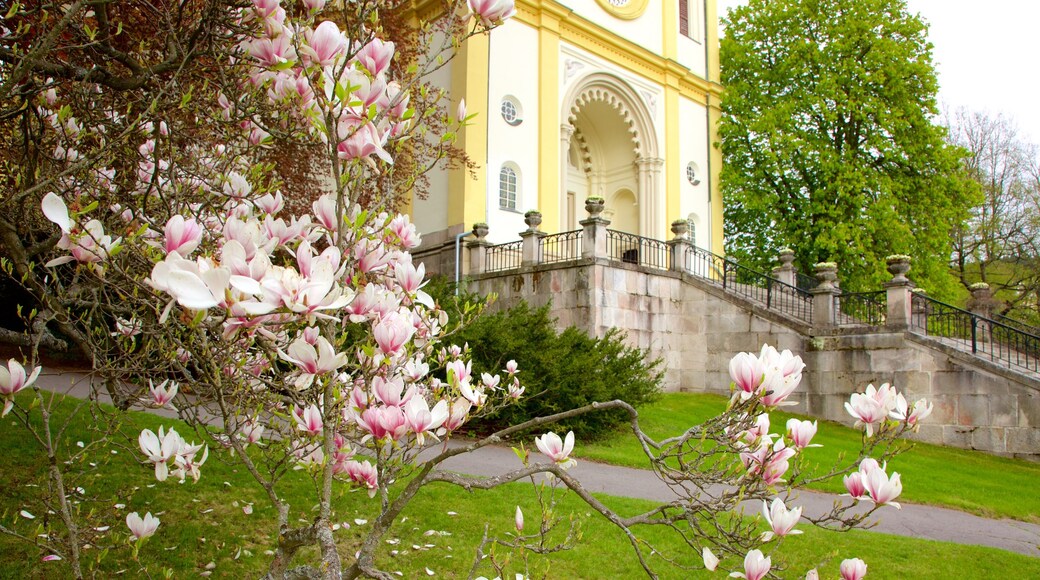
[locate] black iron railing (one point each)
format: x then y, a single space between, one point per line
987 338
503 257
562 247
633 249
749 283
804 281
861 308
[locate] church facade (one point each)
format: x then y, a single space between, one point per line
617 99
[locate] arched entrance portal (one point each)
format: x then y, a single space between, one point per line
609 149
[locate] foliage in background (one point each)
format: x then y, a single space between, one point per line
568 369
828 140
1000 243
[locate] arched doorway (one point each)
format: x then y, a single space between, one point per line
609 149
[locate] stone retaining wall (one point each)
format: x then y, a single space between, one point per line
696 327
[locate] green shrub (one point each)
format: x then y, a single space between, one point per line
560 371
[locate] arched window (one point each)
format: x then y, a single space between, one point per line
508 186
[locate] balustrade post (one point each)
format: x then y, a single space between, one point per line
899 295
983 304
823 294
478 249
785 271
679 246
532 239
594 230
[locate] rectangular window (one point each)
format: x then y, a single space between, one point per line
507 189
684 17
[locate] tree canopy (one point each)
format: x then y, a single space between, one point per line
829 143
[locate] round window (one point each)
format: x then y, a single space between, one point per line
511 111
693 173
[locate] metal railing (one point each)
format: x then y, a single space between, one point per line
861 308
562 247
633 249
749 283
504 256
987 338
804 281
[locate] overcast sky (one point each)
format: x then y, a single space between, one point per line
986 54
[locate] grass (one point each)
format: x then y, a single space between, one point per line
204 528
967 480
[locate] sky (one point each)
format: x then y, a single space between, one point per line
986 55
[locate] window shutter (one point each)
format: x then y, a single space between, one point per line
684 17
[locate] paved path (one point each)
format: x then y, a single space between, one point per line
918 521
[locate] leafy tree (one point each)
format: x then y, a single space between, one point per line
999 244
828 140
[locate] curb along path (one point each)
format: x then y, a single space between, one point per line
917 521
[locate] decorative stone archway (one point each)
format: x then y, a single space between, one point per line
608 144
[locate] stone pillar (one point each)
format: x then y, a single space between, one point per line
785 271
532 239
823 294
680 245
900 297
478 249
566 132
594 230
982 303
651 202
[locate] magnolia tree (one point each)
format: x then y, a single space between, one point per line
307 342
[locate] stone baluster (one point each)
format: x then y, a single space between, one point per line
982 303
899 295
823 294
594 230
532 239
680 245
785 271
478 249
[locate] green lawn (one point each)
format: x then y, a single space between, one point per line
204 523
967 480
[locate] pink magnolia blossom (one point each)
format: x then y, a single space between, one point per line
756 566
362 139
163 393
194 285
801 432
458 413
314 5
912 415
375 56
324 209
364 474
324 44
270 51
853 569
160 449
182 235
518 520
511 367
382 422
781 520
12 380
141 528
312 360
491 12
405 231
392 333
881 488
271 203
421 420
855 485
186 463
251 431
747 373
391 392
309 421
871 407
556 449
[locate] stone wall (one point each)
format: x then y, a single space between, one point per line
697 327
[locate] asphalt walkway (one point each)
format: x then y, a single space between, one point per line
918 521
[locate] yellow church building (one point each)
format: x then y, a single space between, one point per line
617 99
